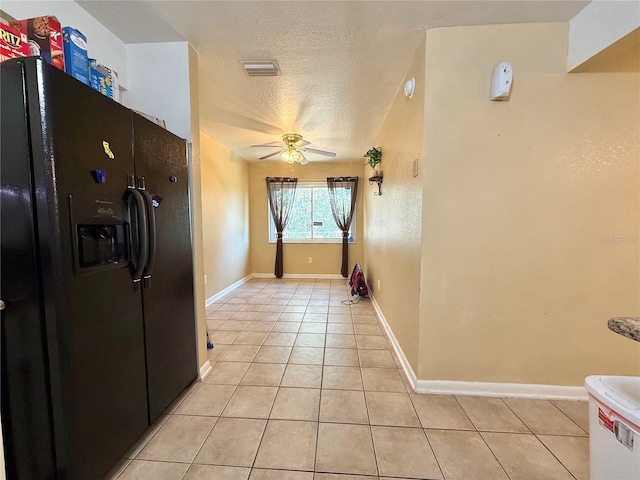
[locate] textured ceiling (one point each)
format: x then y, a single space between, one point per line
341 62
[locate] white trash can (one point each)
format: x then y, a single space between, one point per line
614 427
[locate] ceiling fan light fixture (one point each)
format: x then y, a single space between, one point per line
293 149
261 68
291 139
291 154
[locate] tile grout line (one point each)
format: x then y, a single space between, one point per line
516 415
548 449
202 444
478 432
555 456
324 352
366 404
433 452
493 453
570 419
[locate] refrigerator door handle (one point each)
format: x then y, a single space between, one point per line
151 218
143 238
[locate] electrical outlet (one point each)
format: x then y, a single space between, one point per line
310 259
378 284
205 279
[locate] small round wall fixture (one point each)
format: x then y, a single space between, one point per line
410 87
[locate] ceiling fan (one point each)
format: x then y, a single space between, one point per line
293 149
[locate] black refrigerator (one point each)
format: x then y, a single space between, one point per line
98 332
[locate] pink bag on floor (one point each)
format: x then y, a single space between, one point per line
358 283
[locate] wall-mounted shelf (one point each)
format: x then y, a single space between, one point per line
376 179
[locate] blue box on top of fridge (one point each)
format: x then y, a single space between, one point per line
104 80
76 60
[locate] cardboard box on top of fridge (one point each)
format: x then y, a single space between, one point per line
7 19
76 60
13 43
151 118
104 80
45 39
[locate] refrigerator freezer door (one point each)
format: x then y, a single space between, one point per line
26 400
170 337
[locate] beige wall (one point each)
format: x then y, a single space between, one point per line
225 216
327 258
196 211
530 211
393 221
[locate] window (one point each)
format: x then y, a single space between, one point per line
311 220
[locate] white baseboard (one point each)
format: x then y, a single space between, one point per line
322 276
205 370
482 389
411 376
495 389
229 289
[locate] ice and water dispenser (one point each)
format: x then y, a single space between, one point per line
100 233
101 245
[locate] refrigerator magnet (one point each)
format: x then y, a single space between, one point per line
107 150
100 176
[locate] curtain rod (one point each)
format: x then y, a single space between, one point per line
323 179
281 179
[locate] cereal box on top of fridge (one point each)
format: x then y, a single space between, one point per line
76 60
45 39
104 80
13 43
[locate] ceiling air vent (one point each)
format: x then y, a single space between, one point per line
266 68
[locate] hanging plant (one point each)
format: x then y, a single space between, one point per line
374 156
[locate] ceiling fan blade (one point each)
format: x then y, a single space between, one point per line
321 152
270 155
304 160
303 143
270 144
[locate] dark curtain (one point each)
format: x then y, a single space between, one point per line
343 206
281 191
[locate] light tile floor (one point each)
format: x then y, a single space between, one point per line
304 387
